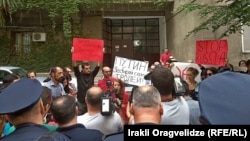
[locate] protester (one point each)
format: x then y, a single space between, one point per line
9 79
146 109
248 66
242 66
193 105
175 107
27 112
106 83
164 57
31 74
121 99
48 78
68 87
65 111
67 70
191 74
54 84
85 79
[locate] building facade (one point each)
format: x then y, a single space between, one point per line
135 30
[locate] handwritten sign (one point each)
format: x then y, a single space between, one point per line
87 49
130 71
180 69
211 52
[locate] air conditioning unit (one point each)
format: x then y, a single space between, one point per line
38 37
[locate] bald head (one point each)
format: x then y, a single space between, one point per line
93 96
106 71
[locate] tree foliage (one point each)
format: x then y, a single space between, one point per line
62 9
6 7
229 15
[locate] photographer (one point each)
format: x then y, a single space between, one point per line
93 119
175 108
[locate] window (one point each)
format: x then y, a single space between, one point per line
246 39
22 45
146 31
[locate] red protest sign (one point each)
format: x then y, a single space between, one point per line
87 49
211 52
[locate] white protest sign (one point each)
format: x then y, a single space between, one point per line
130 71
180 69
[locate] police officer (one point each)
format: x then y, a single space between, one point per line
23 107
115 137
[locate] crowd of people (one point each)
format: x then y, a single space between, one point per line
61 110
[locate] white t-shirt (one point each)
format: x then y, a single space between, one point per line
106 124
175 112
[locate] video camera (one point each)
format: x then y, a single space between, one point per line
108 105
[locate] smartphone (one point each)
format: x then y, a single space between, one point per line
178 86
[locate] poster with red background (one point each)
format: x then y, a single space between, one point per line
211 52
87 49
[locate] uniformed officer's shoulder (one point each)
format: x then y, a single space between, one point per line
53 136
115 137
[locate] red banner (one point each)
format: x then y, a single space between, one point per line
211 52
87 50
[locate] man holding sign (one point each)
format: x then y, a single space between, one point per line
91 50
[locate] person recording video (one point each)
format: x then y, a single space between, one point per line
93 119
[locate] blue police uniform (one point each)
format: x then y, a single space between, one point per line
20 97
78 132
115 137
31 132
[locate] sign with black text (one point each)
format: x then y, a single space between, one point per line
130 71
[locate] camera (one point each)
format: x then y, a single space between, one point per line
108 84
108 105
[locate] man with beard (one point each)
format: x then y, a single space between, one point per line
54 82
85 80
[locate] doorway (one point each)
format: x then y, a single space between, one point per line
122 48
135 38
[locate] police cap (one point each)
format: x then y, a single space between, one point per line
20 95
224 98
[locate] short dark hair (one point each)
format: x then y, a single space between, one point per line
46 96
85 64
163 80
31 71
194 71
63 109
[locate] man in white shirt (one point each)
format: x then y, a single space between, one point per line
176 111
93 119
